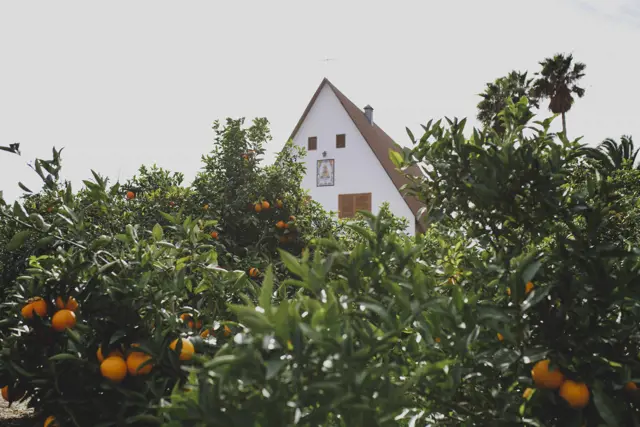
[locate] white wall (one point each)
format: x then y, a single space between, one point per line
357 169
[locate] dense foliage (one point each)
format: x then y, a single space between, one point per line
237 301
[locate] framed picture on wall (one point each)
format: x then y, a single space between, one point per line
325 175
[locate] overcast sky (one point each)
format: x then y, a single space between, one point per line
125 83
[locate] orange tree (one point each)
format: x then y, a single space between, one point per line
544 250
105 280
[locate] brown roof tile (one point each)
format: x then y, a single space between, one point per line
379 142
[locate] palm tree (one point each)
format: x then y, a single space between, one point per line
613 155
558 81
515 85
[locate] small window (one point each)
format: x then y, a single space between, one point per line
313 143
341 141
349 204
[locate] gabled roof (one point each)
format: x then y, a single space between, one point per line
379 142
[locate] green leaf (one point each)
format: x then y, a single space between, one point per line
267 291
21 185
18 240
274 367
291 263
281 319
604 405
65 356
157 232
396 158
529 273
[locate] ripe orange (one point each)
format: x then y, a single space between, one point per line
576 394
35 304
214 234
199 324
265 205
500 337
254 272
204 334
185 317
437 339
292 218
205 207
112 353
63 319
227 331
527 393
544 378
135 361
131 195
281 224
279 204
187 351
114 368
630 386
258 207
69 304
51 422
5 393
191 324
528 288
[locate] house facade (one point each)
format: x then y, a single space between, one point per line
347 160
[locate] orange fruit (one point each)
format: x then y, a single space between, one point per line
205 207
69 304
265 205
500 337
199 324
227 331
630 386
114 368
63 319
5 393
258 207
37 305
112 353
51 422
292 218
204 334
279 204
281 224
544 378
187 351
527 393
576 394
191 324
135 361
131 195
214 234
437 339
254 272
528 288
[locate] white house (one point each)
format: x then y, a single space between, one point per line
348 164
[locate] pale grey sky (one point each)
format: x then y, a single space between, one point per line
125 83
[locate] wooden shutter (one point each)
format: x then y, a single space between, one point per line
362 202
341 141
312 143
349 204
346 206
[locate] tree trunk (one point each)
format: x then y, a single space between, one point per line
564 124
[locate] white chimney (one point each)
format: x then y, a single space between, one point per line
368 112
